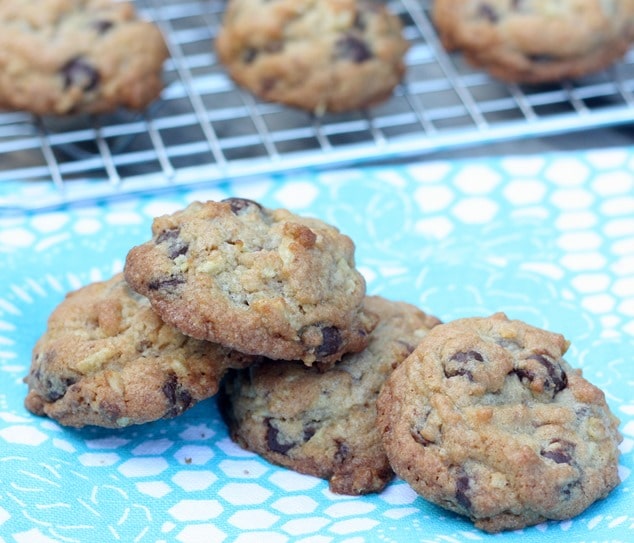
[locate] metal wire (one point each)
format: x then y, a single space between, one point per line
204 129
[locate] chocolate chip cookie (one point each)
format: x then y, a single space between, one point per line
106 359
262 281
62 57
537 41
487 419
323 423
321 56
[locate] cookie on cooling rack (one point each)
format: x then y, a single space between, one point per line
329 56
536 41
486 419
60 57
262 281
323 423
106 359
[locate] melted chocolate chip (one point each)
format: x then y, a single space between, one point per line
342 452
557 378
462 363
487 12
309 431
166 283
249 55
351 47
102 26
359 21
419 425
331 341
567 489
541 375
57 389
176 246
419 438
272 440
462 486
78 72
541 59
559 451
178 398
238 205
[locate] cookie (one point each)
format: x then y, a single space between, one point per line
106 359
486 419
535 41
320 56
60 57
261 281
324 423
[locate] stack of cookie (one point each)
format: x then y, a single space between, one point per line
481 416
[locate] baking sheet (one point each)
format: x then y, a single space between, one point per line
549 240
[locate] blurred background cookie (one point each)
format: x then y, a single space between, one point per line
60 57
534 41
320 56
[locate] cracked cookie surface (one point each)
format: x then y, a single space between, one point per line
60 57
321 56
487 419
262 281
323 423
536 41
106 359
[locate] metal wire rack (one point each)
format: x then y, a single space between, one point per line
204 129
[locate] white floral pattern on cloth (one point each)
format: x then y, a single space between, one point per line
548 240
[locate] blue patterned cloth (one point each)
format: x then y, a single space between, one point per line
549 240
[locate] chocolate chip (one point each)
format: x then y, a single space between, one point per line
238 205
462 363
166 283
359 21
557 378
541 59
78 72
176 246
330 342
541 375
486 11
462 486
57 388
342 452
309 431
102 26
559 451
567 489
272 440
178 398
417 428
419 438
351 47
249 55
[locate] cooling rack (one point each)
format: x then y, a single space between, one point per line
204 129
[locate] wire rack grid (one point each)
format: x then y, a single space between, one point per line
204 129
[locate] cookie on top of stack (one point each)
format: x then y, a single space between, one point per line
481 416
